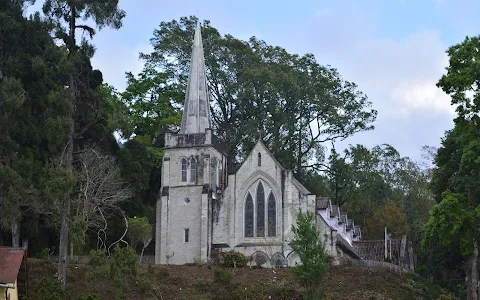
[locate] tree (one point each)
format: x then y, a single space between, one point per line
31 112
307 243
64 15
265 91
139 231
101 190
389 216
455 176
455 222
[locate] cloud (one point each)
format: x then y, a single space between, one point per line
399 76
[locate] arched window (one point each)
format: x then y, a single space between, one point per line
272 215
249 216
184 169
193 169
259 159
260 210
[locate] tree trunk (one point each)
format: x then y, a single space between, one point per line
15 233
472 274
64 229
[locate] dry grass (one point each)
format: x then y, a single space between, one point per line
197 282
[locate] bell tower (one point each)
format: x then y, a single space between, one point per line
193 169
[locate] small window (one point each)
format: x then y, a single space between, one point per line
220 174
184 169
187 231
193 169
259 159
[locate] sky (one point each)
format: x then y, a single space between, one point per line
395 50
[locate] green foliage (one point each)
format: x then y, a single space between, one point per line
139 231
222 276
389 216
123 264
49 289
275 92
83 296
233 258
462 78
97 258
307 244
452 220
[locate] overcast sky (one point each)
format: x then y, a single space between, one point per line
393 49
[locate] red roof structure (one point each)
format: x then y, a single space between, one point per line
10 263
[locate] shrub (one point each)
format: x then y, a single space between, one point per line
44 253
307 243
422 271
97 258
88 297
49 289
222 276
123 263
233 259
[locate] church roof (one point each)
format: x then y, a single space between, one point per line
196 113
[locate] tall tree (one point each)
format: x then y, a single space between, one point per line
291 101
31 109
65 14
457 161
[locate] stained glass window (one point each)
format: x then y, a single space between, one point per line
260 210
249 216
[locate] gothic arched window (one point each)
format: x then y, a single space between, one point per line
260 210
184 169
249 216
272 215
193 169
259 159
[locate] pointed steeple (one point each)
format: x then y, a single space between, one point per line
196 113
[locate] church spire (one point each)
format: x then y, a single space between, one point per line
196 113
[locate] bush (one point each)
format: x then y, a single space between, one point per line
49 289
222 276
97 258
44 253
88 297
422 271
233 259
123 263
307 243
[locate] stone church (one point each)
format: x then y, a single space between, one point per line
201 208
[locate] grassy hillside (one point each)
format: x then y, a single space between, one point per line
197 282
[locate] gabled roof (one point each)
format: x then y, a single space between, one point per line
10 262
260 144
